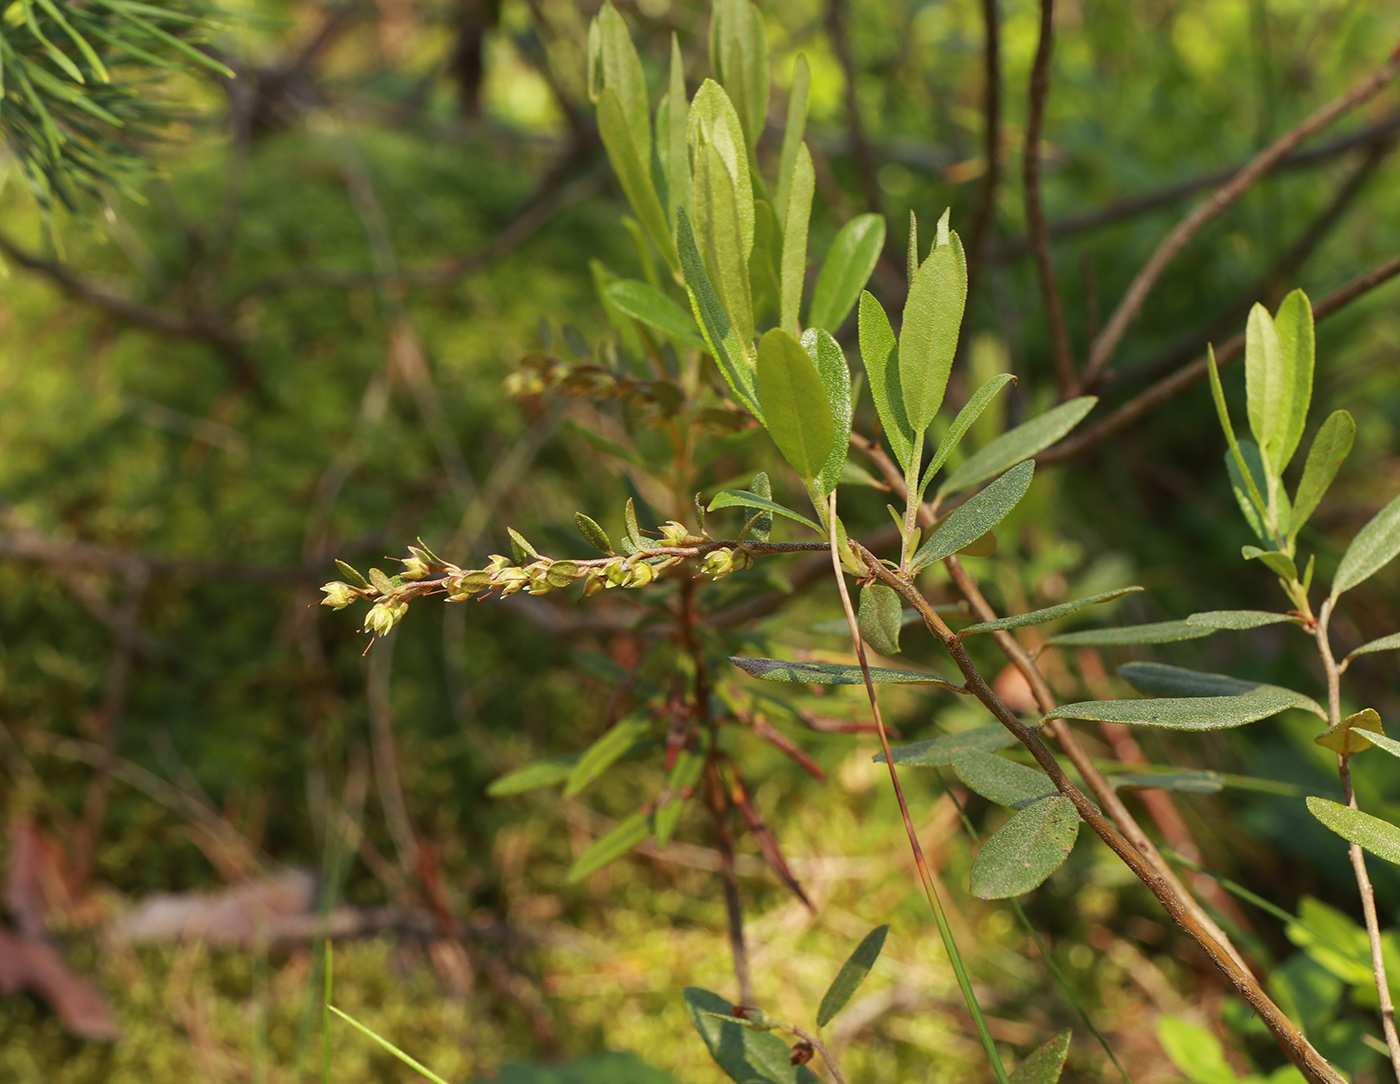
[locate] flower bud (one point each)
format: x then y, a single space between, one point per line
415 568
339 595
466 584
593 584
383 616
675 534
642 574
616 572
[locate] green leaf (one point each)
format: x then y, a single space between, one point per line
1373 547
1050 613
836 380
675 162
747 1055
849 261
1246 452
1044 1064
1020 443
1195 1051
1353 734
541 773
970 521
722 197
611 845
832 673
880 355
351 574
1000 780
1184 713
520 549
851 975
796 410
732 498
763 489
739 59
792 132
1294 323
971 411
794 223
1157 632
1370 833
633 172
594 535
728 350
939 752
1329 448
634 530
417 1067
619 69
1159 679
1026 849
684 774
1238 619
928 337
653 308
610 747
880 617
1269 390
1279 563
1197 782
765 260
1385 643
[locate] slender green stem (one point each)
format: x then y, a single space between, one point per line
930 889
820 1048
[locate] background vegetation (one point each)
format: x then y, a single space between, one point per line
297 341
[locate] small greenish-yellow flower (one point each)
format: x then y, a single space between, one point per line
538 572
676 534
593 584
464 585
415 568
616 572
339 595
498 562
511 580
384 615
642 574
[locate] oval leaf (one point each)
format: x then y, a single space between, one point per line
1329 448
1002 781
880 355
796 410
845 270
851 975
1027 849
1020 443
1352 734
970 521
593 534
748 1055
1045 1063
928 337
1372 548
832 673
1184 713
880 618
1379 837
1050 613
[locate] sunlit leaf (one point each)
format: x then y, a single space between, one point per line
971 520
928 337
593 534
880 617
1278 562
610 846
880 354
1026 849
1238 619
1050 613
849 261
728 350
762 488
633 174
1184 713
836 379
939 752
796 410
1294 322
738 498
1354 733
1020 443
739 59
1330 448
1157 632
832 673
653 308
1379 837
1269 389
1044 1064
851 975
1372 549
1000 780
794 225
1195 1051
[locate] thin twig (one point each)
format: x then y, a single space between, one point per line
1144 403
1290 1039
1354 851
821 1049
1102 349
717 804
1035 209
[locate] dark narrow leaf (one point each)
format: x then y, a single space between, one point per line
1044 1064
1238 619
1050 613
1329 448
832 673
939 752
971 411
1158 632
836 379
747 1055
1026 849
1385 643
1372 549
731 498
542 773
1198 782
653 308
880 616
610 846
1000 780
594 535
851 975
1370 833
796 410
928 336
1240 474
604 753
970 521
847 267
1188 713
880 355
1020 443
